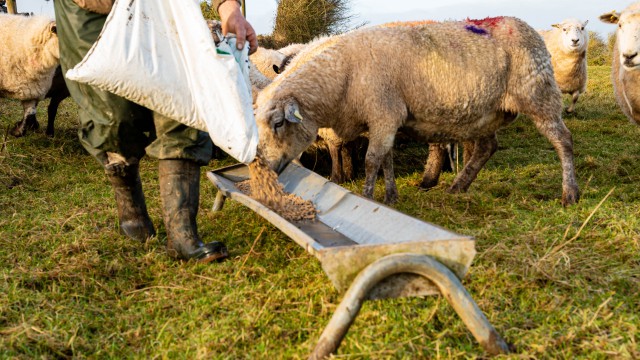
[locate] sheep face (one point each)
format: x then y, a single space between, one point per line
284 133
627 36
573 34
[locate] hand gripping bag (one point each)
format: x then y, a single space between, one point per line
160 54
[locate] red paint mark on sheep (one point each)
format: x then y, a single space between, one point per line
489 21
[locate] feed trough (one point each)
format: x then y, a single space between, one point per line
369 251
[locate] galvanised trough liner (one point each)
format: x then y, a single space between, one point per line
369 251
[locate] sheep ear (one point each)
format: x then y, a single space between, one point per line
585 23
610 18
52 28
557 26
292 112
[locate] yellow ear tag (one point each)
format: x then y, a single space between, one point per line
297 115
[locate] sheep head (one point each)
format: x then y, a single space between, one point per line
627 35
573 34
284 132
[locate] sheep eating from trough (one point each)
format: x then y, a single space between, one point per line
567 43
625 67
28 62
410 77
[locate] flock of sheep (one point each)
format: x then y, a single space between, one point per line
440 82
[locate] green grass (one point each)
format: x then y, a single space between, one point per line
556 283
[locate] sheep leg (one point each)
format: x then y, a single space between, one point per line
337 175
391 191
574 100
560 137
379 147
433 167
483 149
467 151
346 157
29 121
52 110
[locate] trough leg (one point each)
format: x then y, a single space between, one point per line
423 265
218 203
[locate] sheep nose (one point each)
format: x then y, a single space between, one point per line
629 57
575 41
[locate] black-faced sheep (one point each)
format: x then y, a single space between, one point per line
625 69
567 44
451 81
28 62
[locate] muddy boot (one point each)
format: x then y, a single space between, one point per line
180 194
132 210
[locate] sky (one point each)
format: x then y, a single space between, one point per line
540 14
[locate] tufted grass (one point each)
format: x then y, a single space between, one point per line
556 283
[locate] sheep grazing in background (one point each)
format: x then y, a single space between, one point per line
567 43
409 77
625 69
28 62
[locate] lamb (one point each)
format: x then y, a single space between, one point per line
501 67
29 59
567 44
625 69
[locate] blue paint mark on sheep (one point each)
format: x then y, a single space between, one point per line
476 30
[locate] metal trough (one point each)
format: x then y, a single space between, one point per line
369 251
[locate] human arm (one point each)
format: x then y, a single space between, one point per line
233 21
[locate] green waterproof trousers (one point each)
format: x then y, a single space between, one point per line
112 124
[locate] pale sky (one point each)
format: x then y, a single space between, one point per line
540 14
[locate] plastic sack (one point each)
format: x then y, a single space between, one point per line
160 54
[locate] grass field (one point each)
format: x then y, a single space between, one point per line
557 283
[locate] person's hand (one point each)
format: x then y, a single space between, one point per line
234 22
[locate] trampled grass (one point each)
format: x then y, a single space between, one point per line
556 283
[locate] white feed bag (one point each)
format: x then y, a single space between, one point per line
160 54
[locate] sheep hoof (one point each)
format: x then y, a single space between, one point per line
18 130
427 185
456 189
570 197
391 199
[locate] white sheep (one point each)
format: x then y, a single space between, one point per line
625 69
28 62
567 43
409 77
267 61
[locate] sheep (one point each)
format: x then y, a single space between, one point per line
268 61
289 52
567 43
450 81
625 72
28 62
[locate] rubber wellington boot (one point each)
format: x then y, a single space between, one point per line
180 194
132 210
